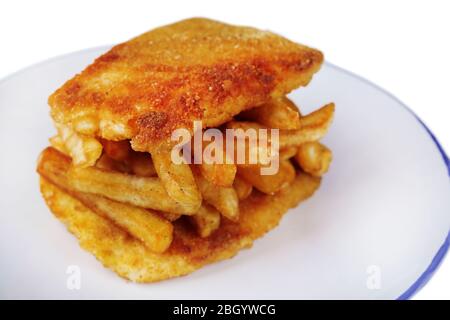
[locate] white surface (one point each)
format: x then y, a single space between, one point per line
384 203
401 45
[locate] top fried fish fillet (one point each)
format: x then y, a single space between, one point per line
131 259
195 69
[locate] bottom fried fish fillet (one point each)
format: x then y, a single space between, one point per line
130 258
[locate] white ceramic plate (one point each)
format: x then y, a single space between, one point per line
377 227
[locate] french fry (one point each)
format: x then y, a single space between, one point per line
245 125
287 153
169 216
54 165
220 172
318 117
155 232
314 158
206 220
146 192
268 184
143 224
249 149
57 143
313 127
279 113
83 150
242 187
141 164
224 199
106 163
117 150
178 181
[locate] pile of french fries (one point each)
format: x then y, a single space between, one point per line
145 193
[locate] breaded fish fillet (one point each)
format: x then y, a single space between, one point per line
195 69
129 257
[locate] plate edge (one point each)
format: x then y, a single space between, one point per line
438 257
443 249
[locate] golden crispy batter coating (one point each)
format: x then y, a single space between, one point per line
129 257
195 69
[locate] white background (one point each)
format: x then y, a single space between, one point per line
403 46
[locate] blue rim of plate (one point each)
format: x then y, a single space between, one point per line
439 256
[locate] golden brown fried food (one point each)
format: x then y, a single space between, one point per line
146 225
141 164
224 199
269 184
206 220
287 153
219 168
279 113
242 187
83 150
314 158
195 69
138 191
57 143
106 163
177 180
221 174
131 259
113 181
117 150
314 126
